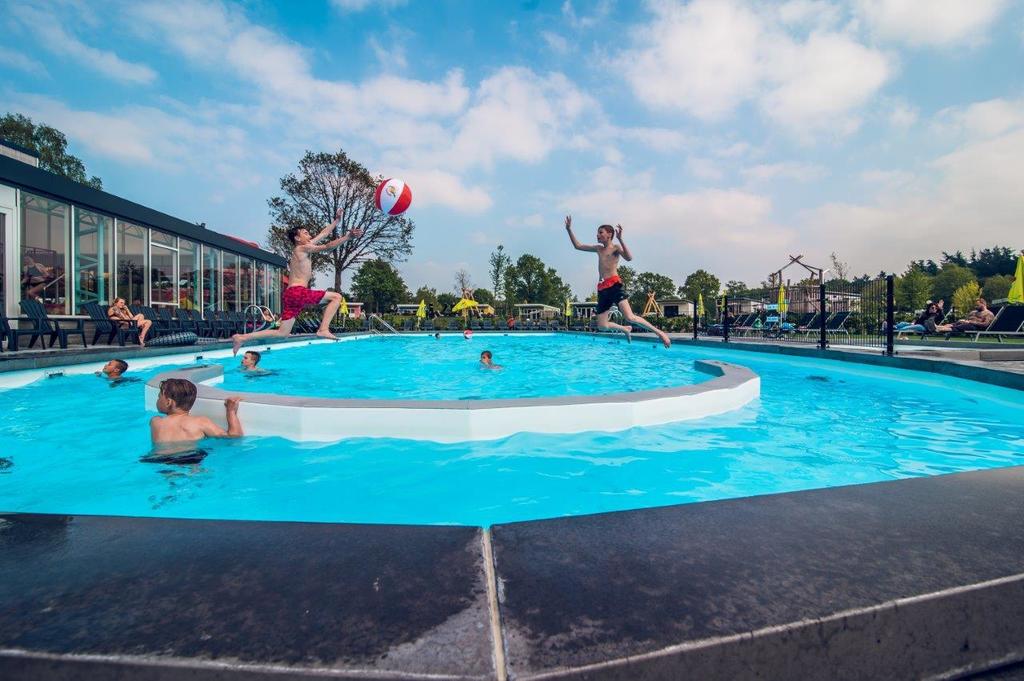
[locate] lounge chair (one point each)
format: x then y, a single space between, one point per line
102 324
9 330
488 324
202 327
836 324
35 311
408 324
167 321
1009 321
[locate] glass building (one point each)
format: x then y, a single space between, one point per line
66 245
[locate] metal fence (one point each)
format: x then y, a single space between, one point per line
826 315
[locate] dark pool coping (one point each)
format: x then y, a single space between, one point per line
911 578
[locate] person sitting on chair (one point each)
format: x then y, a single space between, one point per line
121 315
978 319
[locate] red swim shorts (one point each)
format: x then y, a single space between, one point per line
297 297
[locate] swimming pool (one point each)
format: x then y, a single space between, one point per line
74 445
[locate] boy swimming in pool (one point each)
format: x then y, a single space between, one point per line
609 288
487 361
298 294
178 427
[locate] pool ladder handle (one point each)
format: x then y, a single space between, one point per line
374 317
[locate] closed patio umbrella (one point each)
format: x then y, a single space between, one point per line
782 301
1016 295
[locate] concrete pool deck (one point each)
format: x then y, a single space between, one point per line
915 578
906 579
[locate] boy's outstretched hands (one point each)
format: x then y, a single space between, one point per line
568 223
618 232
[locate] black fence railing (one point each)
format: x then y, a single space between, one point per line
834 314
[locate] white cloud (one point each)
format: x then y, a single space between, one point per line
556 43
436 187
786 170
601 11
704 169
983 119
53 36
726 231
708 57
360 5
390 57
819 82
532 220
903 115
22 62
930 22
975 196
814 14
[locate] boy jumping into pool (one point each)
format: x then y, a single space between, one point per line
178 426
298 294
609 288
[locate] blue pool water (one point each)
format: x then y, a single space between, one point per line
74 444
420 367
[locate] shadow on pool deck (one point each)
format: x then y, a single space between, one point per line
904 579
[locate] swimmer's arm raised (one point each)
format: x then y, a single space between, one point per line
328 229
623 248
575 242
350 234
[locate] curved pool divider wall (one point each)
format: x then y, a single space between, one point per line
314 419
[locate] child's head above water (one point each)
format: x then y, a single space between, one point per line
250 359
485 357
176 394
115 368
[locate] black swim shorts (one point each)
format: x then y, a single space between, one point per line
609 296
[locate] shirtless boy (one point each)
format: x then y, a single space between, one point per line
609 288
177 395
298 294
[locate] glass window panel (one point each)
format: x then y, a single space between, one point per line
245 273
131 263
94 244
211 279
163 276
230 279
163 239
261 283
275 290
3 263
189 284
44 252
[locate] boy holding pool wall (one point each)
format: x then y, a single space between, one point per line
609 288
298 294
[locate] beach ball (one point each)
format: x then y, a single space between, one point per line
393 196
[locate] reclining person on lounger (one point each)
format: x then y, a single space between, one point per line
979 319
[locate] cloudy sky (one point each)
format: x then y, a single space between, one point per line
721 134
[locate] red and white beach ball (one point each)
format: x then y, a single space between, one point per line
393 196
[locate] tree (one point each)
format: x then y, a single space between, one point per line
378 285
840 269
964 296
446 300
929 267
701 282
662 286
462 281
50 144
311 197
534 282
913 289
483 296
949 279
993 261
426 294
628 275
499 263
736 289
997 286
956 258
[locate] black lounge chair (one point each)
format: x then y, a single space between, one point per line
35 311
167 321
193 321
488 325
11 332
836 324
102 324
1009 321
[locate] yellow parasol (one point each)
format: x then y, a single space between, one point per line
421 311
343 310
700 304
568 307
1016 294
782 300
